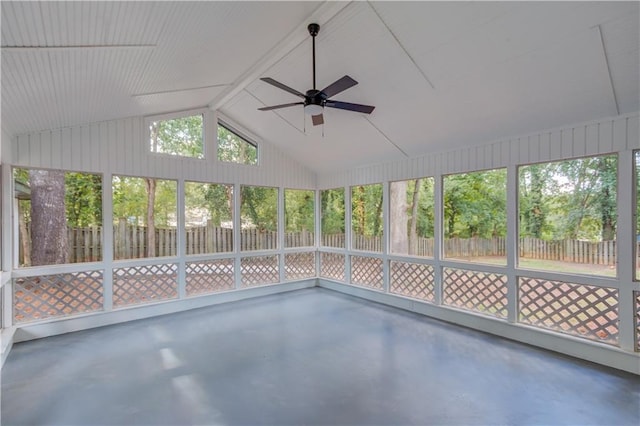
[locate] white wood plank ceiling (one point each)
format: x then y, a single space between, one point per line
442 75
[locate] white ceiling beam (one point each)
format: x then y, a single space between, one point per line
321 15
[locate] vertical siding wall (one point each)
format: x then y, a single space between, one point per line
119 147
612 135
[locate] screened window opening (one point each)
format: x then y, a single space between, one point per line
59 217
637 223
332 217
181 136
568 216
144 217
208 213
366 217
233 148
299 217
475 216
411 217
259 216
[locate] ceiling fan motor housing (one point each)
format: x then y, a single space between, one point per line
315 97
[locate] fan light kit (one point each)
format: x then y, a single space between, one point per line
316 100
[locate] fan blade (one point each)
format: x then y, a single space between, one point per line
339 85
367 109
269 108
317 119
282 86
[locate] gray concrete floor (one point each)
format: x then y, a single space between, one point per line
304 358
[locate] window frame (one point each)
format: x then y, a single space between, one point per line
173 116
242 133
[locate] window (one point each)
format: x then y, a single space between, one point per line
144 217
59 217
233 148
259 216
332 217
366 217
208 217
299 217
567 213
637 234
475 216
181 136
411 217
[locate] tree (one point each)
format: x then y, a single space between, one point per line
48 218
333 211
234 149
178 136
398 217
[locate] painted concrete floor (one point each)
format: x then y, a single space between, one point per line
304 358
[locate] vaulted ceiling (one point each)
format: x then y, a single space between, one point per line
442 75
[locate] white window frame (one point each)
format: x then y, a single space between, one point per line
240 131
206 118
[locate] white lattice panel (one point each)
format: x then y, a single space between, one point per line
209 277
299 265
49 296
332 266
144 284
412 280
366 271
637 305
259 270
577 309
476 291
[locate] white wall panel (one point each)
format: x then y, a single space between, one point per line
596 137
120 147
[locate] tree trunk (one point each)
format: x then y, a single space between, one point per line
413 224
25 238
398 217
150 185
48 217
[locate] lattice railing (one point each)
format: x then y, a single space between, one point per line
50 296
259 270
636 298
412 280
577 309
299 265
209 276
144 284
476 291
332 266
366 272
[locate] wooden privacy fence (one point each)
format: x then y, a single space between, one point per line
600 253
85 244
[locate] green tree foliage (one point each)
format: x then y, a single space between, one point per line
572 199
475 204
333 210
366 210
299 210
130 201
214 199
234 149
178 136
83 199
259 207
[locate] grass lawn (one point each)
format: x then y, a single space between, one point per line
547 265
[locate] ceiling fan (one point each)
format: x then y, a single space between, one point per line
316 100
